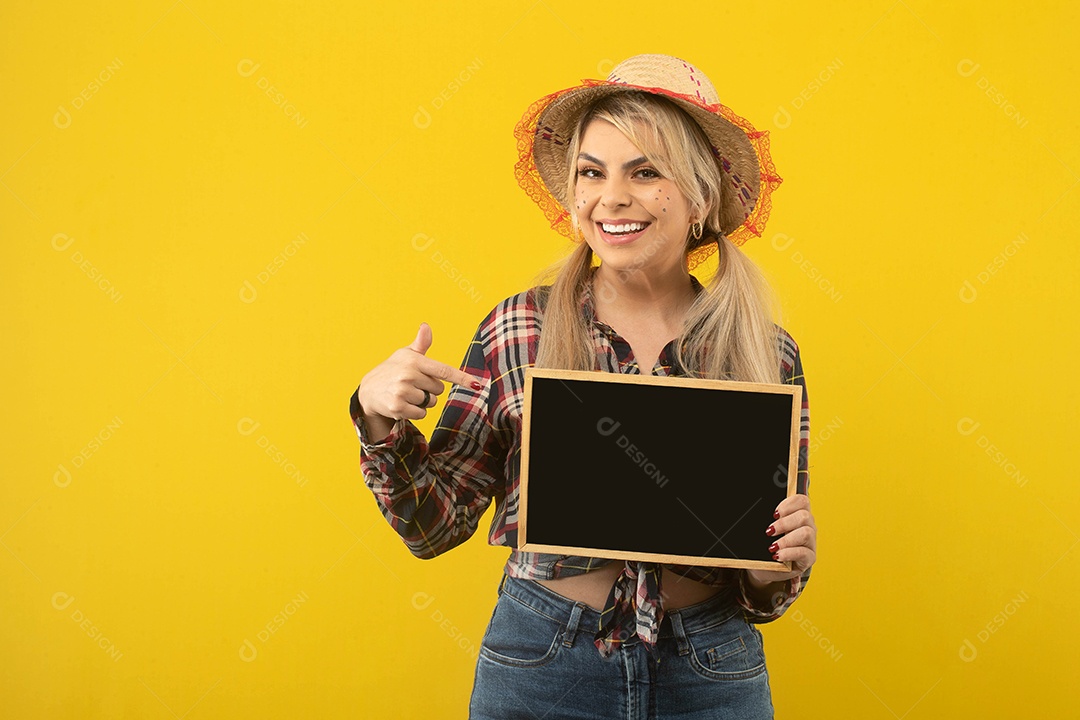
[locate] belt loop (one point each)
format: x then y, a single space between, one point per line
572 625
502 581
680 632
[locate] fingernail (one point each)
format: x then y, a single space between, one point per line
477 386
776 515
776 556
773 548
770 531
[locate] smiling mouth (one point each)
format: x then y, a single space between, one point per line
622 229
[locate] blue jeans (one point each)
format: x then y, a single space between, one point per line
537 660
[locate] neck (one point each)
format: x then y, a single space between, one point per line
640 294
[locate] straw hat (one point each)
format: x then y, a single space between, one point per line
742 152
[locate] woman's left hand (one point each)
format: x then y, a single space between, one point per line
796 543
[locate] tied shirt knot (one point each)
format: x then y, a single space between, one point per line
633 608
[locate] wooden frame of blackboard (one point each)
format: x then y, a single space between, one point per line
695 398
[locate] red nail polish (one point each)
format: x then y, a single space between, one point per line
773 548
477 386
770 531
776 557
776 514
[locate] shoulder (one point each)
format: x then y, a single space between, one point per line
788 349
514 316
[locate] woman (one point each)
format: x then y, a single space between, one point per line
648 174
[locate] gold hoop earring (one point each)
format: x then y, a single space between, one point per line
696 229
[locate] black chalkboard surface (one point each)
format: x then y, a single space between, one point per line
663 469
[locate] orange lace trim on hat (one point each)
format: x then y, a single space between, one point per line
528 177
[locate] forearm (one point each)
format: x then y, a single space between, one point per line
431 494
378 427
765 602
765 596
418 497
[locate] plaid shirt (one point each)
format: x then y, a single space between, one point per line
433 494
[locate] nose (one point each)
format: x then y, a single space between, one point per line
615 193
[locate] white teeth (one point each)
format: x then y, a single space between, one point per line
629 227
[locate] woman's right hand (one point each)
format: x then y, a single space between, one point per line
394 389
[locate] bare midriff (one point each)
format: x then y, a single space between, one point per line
593 588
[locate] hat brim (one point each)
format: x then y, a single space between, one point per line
742 152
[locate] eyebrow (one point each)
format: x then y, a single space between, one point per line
626 165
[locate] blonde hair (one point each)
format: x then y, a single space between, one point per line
728 332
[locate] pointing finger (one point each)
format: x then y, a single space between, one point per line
450 374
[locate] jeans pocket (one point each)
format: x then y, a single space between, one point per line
518 636
731 650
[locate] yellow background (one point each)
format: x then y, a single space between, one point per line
196 275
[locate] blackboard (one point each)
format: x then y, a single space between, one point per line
655 468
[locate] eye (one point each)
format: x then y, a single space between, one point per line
648 173
586 172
